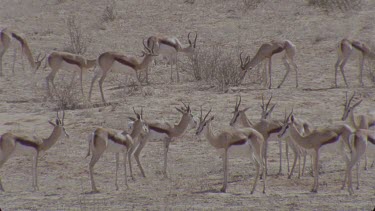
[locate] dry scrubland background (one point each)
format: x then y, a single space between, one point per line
195 169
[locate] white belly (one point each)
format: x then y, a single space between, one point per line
24 150
69 67
114 147
236 151
123 69
155 136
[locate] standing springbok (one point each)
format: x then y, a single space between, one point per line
6 37
168 47
264 126
315 140
67 61
266 51
109 61
358 147
167 133
344 50
15 144
234 140
354 120
110 140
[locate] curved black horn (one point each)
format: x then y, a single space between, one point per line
195 40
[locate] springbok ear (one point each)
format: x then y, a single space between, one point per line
132 119
53 124
292 118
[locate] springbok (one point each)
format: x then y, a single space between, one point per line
344 50
358 147
15 144
109 61
110 140
354 120
264 126
247 141
168 47
6 37
166 132
266 51
315 140
67 61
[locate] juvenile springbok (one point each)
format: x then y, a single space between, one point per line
266 51
15 144
168 47
110 140
344 50
247 141
113 61
6 37
164 131
67 61
264 126
315 140
355 120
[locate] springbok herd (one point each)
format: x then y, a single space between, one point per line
352 134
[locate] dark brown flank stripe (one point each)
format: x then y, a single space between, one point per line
124 62
332 140
239 142
276 130
117 140
71 61
358 46
167 42
159 130
370 139
26 142
18 38
278 50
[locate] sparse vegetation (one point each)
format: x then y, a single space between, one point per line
217 66
251 4
67 95
78 41
332 5
110 12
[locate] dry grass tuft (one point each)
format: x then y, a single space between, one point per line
78 41
333 5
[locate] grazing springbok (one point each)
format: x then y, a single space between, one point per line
110 140
266 51
355 120
113 61
169 47
315 140
166 132
245 141
344 49
11 143
67 61
6 37
264 126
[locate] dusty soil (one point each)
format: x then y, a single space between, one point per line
195 168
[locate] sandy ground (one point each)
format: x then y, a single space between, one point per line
195 168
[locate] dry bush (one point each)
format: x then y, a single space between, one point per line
109 13
215 66
251 4
68 96
333 5
78 41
